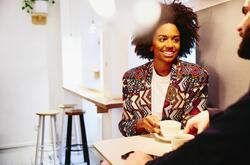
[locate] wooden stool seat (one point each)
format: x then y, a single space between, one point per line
48 113
66 106
74 112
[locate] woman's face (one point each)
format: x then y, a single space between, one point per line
166 43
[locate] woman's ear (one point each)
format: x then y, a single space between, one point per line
151 48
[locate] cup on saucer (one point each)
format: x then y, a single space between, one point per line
169 128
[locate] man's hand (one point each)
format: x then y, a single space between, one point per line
199 122
150 123
137 158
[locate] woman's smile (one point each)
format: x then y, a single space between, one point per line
166 43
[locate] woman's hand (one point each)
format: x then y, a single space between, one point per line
199 123
137 158
149 123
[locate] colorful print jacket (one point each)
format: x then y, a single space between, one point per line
186 95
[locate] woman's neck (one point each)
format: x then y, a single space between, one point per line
162 68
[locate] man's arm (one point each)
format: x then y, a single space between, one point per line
213 112
200 122
220 143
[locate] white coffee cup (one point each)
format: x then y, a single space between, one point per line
179 139
169 128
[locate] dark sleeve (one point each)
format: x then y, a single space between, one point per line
214 112
220 144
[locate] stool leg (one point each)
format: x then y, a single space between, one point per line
38 139
84 140
56 133
42 142
53 136
62 138
68 141
77 137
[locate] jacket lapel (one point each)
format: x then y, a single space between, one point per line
145 93
173 99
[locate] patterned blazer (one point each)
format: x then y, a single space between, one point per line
186 95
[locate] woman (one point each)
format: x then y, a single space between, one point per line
165 87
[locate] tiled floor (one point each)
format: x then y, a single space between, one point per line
77 157
26 156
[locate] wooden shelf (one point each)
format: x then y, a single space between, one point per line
102 103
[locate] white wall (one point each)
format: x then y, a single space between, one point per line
30 66
218 51
30 71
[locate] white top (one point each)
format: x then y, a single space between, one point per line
158 92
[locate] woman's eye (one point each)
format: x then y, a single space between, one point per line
176 39
162 39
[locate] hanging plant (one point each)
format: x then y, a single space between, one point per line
27 5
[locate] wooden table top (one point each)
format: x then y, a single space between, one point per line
112 149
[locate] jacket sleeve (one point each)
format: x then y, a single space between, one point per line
196 101
127 124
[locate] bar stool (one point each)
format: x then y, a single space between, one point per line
65 107
84 144
41 129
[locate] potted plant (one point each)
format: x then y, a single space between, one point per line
38 10
28 5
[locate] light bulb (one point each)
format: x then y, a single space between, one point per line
92 28
105 8
146 20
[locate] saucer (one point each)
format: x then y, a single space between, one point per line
163 138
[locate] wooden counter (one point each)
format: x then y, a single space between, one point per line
102 103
